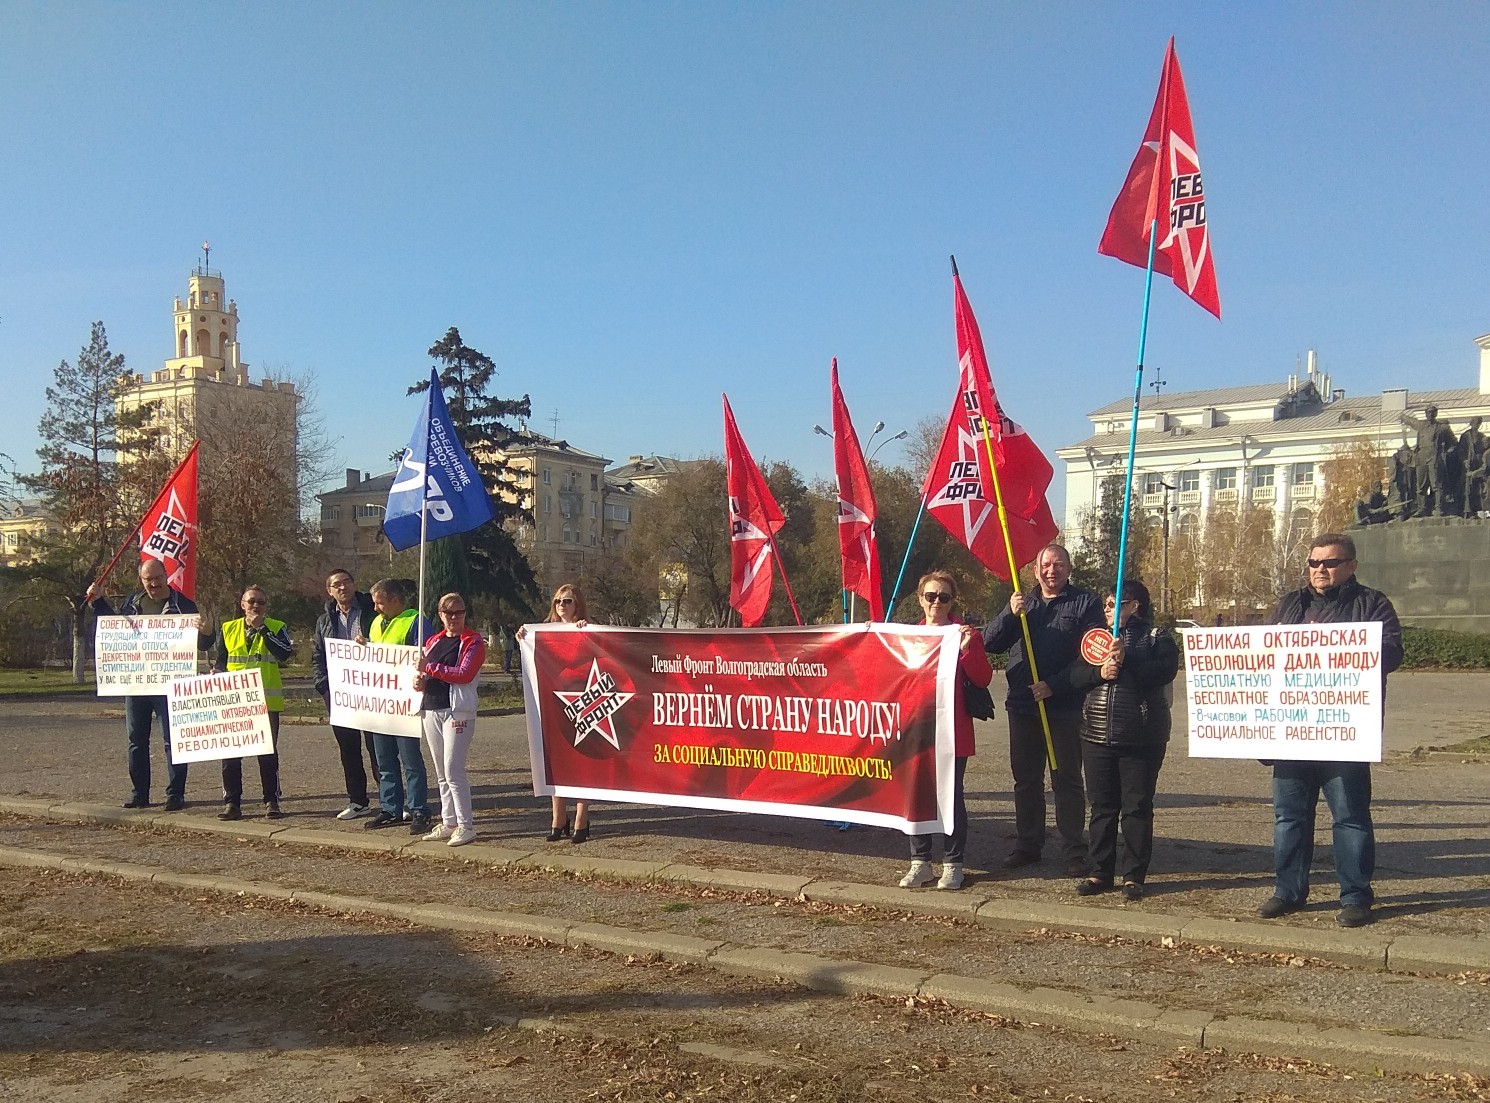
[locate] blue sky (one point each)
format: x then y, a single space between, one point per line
635 206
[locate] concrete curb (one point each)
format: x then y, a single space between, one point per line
1353 1048
1364 947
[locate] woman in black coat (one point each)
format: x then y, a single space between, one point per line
1124 734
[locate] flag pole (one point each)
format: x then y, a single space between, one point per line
780 566
146 516
906 559
1143 336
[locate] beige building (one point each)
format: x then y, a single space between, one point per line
352 520
563 488
204 390
24 526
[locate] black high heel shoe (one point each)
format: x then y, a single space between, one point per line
558 833
581 835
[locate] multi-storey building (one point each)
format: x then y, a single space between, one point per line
25 526
1264 444
204 391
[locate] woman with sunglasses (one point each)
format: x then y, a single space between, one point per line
567 607
1124 734
449 671
938 593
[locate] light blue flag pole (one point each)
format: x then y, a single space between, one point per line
437 490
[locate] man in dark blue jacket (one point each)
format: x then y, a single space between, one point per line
348 616
1333 596
1059 615
158 598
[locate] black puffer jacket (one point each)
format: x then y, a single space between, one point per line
1135 708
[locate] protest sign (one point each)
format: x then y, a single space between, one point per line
372 687
1285 691
851 723
219 716
141 655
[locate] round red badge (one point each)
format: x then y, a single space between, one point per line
1096 645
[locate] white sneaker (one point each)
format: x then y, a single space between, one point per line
353 812
439 834
920 874
461 836
951 877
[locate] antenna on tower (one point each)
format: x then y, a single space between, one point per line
1158 382
554 421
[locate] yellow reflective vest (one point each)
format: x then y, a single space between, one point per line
241 656
383 630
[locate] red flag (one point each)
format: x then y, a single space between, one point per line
169 531
857 512
754 518
1164 182
959 487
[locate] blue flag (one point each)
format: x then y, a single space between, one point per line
456 498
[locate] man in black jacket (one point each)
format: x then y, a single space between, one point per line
158 598
1059 615
346 617
1333 596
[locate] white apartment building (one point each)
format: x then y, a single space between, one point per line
1265 441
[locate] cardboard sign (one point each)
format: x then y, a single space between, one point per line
372 687
140 656
1309 692
219 716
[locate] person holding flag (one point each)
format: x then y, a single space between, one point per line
155 598
1048 624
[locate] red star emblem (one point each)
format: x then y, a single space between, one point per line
591 708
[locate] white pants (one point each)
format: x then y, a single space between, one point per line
449 739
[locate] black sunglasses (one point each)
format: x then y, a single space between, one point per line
934 596
1328 564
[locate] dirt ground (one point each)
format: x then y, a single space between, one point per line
112 992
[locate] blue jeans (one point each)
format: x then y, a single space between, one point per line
406 790
1347 791
137 714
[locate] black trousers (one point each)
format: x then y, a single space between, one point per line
1120 782
1027 762
350 742
955 844
232 770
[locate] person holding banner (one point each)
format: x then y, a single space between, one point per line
937 592
449 671
403 794
347 616
1124 734
1332 596
255 641
568 607
1059 615
156 598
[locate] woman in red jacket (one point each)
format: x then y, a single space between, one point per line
937 593
448 673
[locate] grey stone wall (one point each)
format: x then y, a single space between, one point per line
1436 570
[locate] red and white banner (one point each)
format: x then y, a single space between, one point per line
1164 183
754 518
219 716
857 512
959 487
169 531
850 723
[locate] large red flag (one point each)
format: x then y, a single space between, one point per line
857 512
754 518
959 487
169 531
1164 182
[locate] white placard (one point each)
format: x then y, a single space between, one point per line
1290 691
140 656
219 716
372 687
